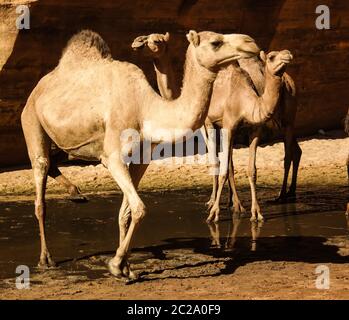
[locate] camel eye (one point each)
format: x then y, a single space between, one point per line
216 44
272 57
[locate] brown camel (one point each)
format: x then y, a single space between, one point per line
156 46
85 105
228 114
346 127
284 117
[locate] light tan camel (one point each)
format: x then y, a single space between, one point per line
88 101
156 46
346 127
230 112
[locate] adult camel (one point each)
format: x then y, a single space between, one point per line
85 105
234 97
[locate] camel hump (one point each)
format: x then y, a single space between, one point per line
86 44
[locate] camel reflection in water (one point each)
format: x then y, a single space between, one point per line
233 235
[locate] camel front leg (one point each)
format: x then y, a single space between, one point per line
136 172
287 164
208 132
121 175
233 194
223 174
252 176
296 158
293 155
40 165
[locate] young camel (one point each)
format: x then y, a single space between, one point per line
284 116
156 46
346 127
229 107
106 97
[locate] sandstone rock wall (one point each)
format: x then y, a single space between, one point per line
321 66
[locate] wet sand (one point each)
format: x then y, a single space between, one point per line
176 253
185 258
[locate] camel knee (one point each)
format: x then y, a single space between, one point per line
138 213
124 216
40 165
39 210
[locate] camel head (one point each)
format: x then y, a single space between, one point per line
276 61
153 45
215 51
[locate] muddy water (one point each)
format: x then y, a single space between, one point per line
175 221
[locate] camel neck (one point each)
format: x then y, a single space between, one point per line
258 109
272 91
196 91
165 77
189 111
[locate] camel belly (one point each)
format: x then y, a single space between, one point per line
75 128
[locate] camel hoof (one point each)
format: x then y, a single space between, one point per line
47 263
209 219
216 219
115 270
123 279
237 209
286 198
119 275
209 204
260 219
77 198
214 215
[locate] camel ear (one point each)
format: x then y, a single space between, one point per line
263 56
193 38
139 42
167 36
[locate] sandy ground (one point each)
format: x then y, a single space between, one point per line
199 275
323 163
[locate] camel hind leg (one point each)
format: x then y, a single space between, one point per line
38 144
256 213
54 172
296 158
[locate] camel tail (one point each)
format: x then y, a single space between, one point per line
346 123
86 44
